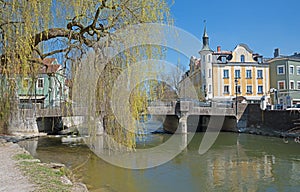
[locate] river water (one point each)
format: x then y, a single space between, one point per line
235 162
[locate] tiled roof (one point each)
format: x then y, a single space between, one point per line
222 53
50 68
48 61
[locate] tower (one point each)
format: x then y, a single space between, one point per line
206 66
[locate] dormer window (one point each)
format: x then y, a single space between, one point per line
259 60
224 60
242 58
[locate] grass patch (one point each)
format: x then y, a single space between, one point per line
22 156
46 178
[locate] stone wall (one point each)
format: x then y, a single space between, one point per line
18 124
276 120
73 121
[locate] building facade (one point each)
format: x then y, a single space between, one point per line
239 73
225 75
191 80
285 79
46 89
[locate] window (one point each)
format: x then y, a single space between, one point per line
280 70
260 89
225 73
259 74
281 85
259 60
224 60
292 85
203 58
298 85
237 73
209 58
209 73
291 70
226 89
209 89
298 70
238 89
25 83
249 89
40 83
248 74
242 58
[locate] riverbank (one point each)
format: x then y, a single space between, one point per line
19 171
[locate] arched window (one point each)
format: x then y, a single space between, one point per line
242 58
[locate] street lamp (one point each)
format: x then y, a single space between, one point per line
236 95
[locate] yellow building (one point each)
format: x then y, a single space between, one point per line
225 75
240 70
225 72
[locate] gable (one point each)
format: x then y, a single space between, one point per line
240 51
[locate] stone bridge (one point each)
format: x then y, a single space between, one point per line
49 120
180 111
53 112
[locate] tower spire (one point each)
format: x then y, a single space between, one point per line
205 39
205 33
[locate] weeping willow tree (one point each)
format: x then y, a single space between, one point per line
31 30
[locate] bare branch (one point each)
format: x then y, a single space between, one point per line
54 52
60 32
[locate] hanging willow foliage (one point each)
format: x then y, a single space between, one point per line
31 30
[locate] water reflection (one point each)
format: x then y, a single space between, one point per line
234 163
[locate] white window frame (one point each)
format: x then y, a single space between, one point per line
209 73
242 57
228 92
262 90
248 77
37 83
262 74
235 73
279 66
247 92
284 86
292 81
209 88
223 59
298 70
291 67
298 85
225 77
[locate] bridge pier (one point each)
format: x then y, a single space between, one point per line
182 126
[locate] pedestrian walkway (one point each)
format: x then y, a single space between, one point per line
11 178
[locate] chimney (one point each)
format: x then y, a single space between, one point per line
276 52
219 49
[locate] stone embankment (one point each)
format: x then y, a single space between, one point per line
19 171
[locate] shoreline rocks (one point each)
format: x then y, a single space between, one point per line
10 150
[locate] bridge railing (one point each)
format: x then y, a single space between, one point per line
162 103
53 112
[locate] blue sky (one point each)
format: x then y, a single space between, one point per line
261 24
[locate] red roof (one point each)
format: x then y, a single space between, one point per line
48 61
50 68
